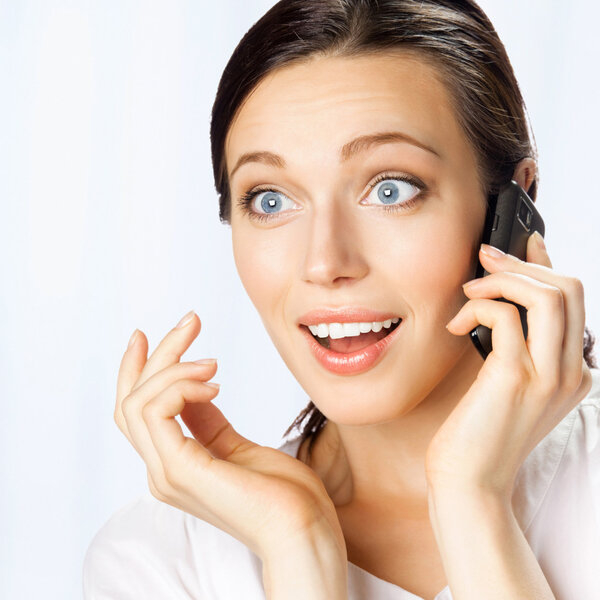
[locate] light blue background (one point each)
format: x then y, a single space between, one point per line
110 222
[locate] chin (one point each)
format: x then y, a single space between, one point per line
387 392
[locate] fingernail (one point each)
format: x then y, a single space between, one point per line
539 240
206 361
492 251
132 339
455 319
214 385
449 323
185 320
472 283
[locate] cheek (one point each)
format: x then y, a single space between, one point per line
261 262
444 261
433 260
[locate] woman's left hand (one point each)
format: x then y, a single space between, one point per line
525 387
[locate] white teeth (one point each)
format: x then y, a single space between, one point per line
351 329
341 330
336 331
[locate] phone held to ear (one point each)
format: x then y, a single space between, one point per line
511 218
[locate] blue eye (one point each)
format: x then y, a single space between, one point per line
271 201
265 204
392 194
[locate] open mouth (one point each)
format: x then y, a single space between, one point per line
353 343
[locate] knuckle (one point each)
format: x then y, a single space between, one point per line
148 410
576 379
171 477
127 406
554 297
509 311
550 384
519 374
171 356
519 377
575 287
159 489
153 489
178 387
118 419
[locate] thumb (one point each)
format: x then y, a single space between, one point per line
212 430
536 250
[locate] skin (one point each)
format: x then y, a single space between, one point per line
394 484
326 249
393 429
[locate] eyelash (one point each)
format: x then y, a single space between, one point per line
246 200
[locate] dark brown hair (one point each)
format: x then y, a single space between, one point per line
455 36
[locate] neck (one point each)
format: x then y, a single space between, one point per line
382 465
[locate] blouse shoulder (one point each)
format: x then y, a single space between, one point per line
138 552
149 549
587 421
558 499
571 451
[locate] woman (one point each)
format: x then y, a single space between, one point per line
354 146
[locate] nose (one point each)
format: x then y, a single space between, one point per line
334 252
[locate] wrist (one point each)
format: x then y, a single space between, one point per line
496 561
311 567
458 493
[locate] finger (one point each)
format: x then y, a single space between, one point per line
573 293
171 347
138 434
142 438
132 363
573 298
508 342
210 427
171 445
205 421
536 250
545 315
133 404
135 368
188 466
165 433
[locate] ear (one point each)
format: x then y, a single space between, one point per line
524 173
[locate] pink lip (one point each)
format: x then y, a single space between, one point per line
353 362
343 315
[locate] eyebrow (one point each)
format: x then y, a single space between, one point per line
347 151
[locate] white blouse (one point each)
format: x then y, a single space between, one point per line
151 550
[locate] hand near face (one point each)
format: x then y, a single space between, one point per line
525 387
260 495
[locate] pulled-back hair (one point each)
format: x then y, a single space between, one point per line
454 36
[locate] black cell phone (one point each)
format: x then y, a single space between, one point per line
510 219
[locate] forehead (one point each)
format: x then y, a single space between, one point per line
319 104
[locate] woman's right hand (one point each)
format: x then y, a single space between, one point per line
261 496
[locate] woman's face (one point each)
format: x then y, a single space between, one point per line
340 230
